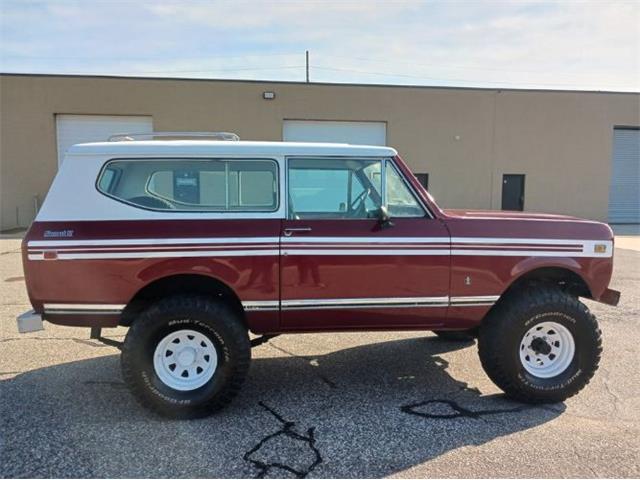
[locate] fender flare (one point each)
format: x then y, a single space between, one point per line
530 265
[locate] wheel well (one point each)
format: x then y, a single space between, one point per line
567 280
179 284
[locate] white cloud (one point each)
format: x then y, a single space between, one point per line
283 15
583 45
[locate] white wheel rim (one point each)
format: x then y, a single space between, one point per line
547 349
185 360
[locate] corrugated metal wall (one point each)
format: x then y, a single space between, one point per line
624 193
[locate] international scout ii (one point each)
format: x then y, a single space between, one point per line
192 244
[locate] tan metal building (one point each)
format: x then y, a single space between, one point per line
565 152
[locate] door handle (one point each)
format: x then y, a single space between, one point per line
291 230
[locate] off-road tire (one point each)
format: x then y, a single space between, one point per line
502 331
456 335
218 322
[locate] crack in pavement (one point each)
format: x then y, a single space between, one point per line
287 431
326 380
616 398
322 377
459 411
585 462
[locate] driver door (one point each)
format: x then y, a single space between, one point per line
341 268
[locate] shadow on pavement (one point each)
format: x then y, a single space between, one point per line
367 411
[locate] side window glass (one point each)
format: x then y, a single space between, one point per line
194 185
213 187
331 188
358 189
373 175
400 200
109 179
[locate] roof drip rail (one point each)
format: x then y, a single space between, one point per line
131 137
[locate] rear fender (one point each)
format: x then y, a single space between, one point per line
218 269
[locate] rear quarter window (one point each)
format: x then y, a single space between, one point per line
187 185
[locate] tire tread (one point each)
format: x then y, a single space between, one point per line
214 309
518 305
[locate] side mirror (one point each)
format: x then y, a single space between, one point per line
384 219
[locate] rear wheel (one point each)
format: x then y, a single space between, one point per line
541 345
186 356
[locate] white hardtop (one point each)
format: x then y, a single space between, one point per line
216 147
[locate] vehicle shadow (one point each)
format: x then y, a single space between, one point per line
367 411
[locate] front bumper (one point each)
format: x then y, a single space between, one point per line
29 322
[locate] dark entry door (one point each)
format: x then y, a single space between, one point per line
513 192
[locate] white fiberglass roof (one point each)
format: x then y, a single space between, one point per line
216 147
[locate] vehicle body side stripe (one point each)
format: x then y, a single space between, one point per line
150 241
297 304
339 246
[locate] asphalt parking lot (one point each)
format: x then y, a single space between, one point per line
324 405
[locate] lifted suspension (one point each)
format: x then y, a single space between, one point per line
96 334
262 339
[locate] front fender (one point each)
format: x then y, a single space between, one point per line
594 272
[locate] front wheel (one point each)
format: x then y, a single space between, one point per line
186 356
540 346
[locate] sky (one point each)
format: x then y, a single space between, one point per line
592 45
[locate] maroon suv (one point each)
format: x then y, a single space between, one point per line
194 244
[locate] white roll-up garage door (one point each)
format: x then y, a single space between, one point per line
360 133
624 192
72 129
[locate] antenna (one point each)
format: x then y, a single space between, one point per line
307 63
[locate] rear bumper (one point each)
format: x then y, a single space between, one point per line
69 315
610 297
29 322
